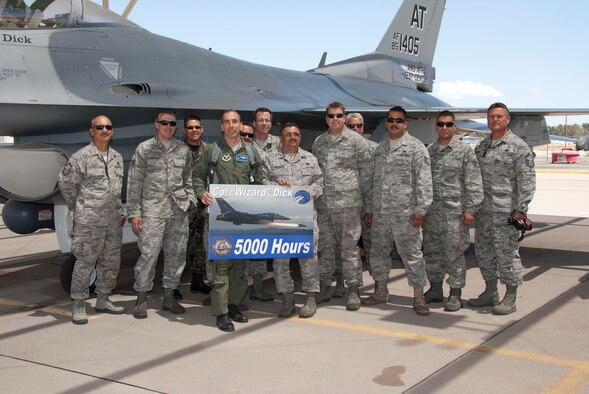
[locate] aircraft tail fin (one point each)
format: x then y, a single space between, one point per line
224 205
413 33
405 54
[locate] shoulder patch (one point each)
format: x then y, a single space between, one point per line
67 168
529 160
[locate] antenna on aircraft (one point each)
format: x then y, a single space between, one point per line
128 9
323 59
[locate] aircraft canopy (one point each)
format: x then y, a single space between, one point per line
55 14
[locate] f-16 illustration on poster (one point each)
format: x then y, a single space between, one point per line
228 214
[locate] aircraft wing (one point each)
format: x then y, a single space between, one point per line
528 123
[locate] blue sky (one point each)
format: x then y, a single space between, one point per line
528 54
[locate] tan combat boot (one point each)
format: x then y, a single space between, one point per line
435 293
507 306
419 302
308 310
170 303
489 297
353 303
324 293
104 305
79 313
288 308
140 310
454 302
380 296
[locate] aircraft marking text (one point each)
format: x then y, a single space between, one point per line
405 43
418 16
15 38
6 73
414 73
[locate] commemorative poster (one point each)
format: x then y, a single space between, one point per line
260 222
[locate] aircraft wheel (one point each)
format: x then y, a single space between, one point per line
65 275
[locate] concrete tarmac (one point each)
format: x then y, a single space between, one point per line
541 348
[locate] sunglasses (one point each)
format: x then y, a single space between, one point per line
192 127
244 134
355 126
167 122
395 120
331 116
102 126
447 124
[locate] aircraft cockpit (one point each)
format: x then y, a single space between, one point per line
56 14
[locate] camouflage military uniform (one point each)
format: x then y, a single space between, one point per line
259 267
159 191
346 163
402 186
458 189
195 250
229 280
301 170
92 191
366 238
509 183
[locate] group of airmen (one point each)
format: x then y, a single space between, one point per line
397 195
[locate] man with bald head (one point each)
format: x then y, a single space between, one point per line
91 183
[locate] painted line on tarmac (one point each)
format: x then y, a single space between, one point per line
572 381
555 171
578 370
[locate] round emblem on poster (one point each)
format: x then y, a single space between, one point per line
222 247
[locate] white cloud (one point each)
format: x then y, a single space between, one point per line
461 89
536 90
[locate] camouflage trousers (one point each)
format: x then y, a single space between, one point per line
339 231
445 239
171 234
366 242
195 249
395 227
256 267
309 270
100 248
229 284
497 249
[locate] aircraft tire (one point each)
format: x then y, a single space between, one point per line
65 275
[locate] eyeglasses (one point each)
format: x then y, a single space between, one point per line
244 134
331 116
192 127
395 120
167 122
447 124
102 126
355 126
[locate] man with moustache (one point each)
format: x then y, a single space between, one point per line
233 166
402 194
509 183
91 183
195 251
159 194
292 166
